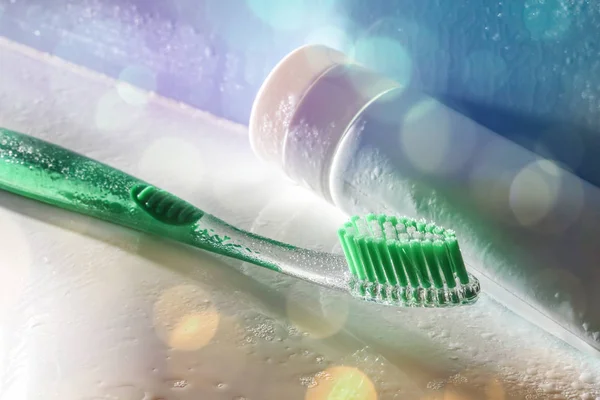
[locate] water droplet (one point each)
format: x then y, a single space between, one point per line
308 381
180 384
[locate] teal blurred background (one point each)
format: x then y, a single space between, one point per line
529 70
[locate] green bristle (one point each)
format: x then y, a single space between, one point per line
441 255
394 249
419 264
384 264
458 263
428 252
383 274
410 222
408 264
375 258
366 261
361 272
430 227
403 220
438 230
386 261
347 249
370 217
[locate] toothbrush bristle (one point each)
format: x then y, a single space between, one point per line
164 206
402 261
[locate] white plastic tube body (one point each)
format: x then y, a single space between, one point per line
527 227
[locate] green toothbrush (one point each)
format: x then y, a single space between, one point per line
389 260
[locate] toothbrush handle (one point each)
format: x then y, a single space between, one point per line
49 173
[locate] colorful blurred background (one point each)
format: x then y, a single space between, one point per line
529 70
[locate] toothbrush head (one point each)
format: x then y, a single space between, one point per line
402 261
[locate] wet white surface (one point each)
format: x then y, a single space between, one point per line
93 311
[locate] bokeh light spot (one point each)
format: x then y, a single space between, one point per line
415 37
290 14
547 19
342 383
451 393
193 331
426 123
534 192
385 55
494 390
185 318
490 177
113 113
418 41
331 36
135 84
539 195
549 167
319 317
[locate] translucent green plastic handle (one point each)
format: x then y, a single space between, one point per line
49 173
46 172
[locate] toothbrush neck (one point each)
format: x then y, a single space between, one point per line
215 235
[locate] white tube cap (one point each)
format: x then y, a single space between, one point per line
279 94
304 108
